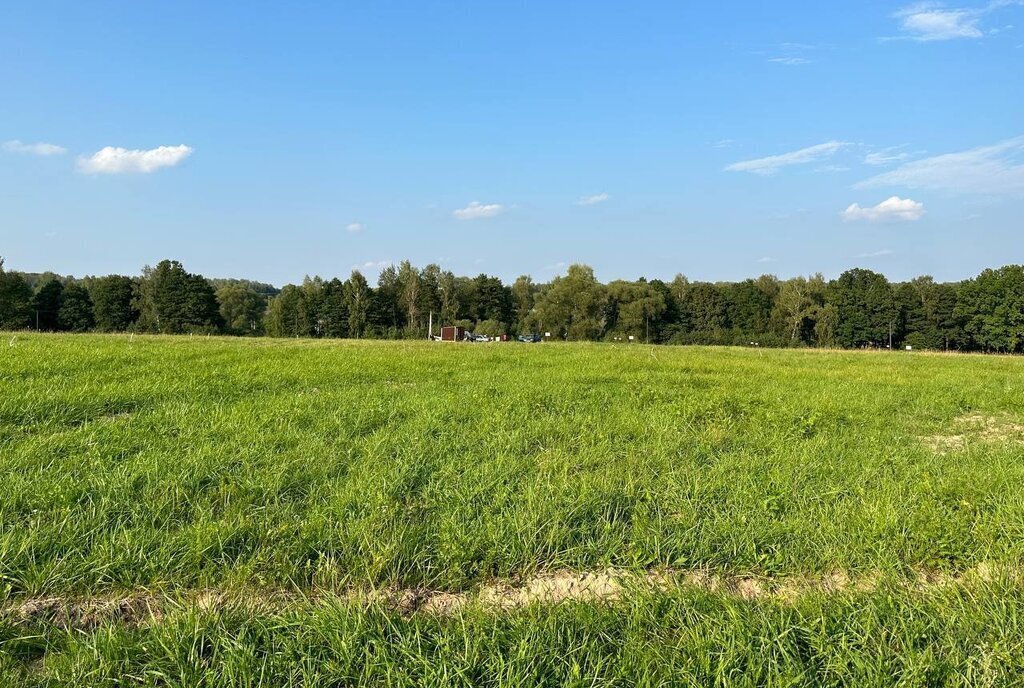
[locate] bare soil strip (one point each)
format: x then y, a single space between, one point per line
142 608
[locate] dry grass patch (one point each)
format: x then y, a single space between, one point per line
976 427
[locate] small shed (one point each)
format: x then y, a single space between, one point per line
453 333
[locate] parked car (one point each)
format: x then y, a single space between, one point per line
481 338
529 338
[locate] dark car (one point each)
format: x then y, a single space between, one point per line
529 338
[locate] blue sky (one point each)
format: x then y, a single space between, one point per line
721 140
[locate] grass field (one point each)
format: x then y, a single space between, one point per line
221 512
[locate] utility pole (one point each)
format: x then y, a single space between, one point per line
430 326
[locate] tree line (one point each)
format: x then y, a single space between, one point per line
860 308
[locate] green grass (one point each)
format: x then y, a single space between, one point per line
175 464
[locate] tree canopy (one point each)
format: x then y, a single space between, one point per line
859 308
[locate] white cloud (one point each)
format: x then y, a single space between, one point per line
373 265
767 259
791 54
790 46
789 60
16 146
772 164
933 21
927 22
593 200
875 254
724 143
996 169
886 156
477 210
355 227
890 210
111 160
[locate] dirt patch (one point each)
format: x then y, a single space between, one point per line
557 587
87 613
551 587
977 428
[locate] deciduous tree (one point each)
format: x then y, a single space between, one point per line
15 300
46 304
113 297
76 309
357 301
